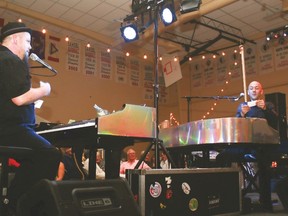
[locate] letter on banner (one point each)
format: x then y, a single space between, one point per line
171 70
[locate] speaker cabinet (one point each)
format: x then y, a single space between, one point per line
111 197
279 101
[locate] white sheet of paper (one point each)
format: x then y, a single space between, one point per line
38 104
251 103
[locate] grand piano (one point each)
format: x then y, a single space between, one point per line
112 132
222 133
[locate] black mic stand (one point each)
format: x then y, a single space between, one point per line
157 141
188 98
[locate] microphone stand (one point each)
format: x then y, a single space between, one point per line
188 98
157 141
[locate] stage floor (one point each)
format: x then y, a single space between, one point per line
277 206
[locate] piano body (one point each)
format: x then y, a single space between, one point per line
220 133
112 132
228 131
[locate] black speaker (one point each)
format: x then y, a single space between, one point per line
279 101
111 197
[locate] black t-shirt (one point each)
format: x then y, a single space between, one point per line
269 114
14 81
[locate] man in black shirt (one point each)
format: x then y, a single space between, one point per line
17 115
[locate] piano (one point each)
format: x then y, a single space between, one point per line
112 132
231 130
220 133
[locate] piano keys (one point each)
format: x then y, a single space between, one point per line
113 132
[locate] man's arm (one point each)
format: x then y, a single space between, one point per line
33 94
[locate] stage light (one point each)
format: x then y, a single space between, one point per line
167 14
129 32
187 6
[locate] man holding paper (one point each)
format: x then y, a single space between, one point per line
257 107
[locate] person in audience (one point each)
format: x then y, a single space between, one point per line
100 161
100 173
164 162
147 159
17 113
69 169
131 162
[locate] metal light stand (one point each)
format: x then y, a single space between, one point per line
157 141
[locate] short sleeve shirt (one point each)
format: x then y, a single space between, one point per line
14 81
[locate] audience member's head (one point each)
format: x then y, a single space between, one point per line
131 155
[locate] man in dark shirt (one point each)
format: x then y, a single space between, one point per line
17 115
257 107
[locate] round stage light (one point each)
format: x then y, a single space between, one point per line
167 14
129 33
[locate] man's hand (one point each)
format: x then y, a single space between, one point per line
244 109
261 104
46 87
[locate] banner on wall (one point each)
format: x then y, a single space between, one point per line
105 65
209 73
53 48
134 77
120 69
73 56
235 64
90 61
196 73
171 70
38 44
281 55
250 60
265 57
222 70
163 93
148 82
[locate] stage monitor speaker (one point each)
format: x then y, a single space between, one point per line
111 197
279 101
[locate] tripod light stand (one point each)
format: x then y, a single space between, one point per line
155 6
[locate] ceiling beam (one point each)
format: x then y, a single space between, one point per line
56 22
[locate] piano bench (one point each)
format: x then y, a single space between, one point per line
7 152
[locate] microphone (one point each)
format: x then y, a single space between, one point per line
34 57
240 96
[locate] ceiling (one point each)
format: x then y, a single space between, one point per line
98 21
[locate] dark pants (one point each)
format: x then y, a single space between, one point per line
282 191
42 164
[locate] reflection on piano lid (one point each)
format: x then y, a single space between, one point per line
220 130
131 121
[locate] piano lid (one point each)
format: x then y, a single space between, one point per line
220 130
131 121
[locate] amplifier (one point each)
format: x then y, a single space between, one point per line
74 198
